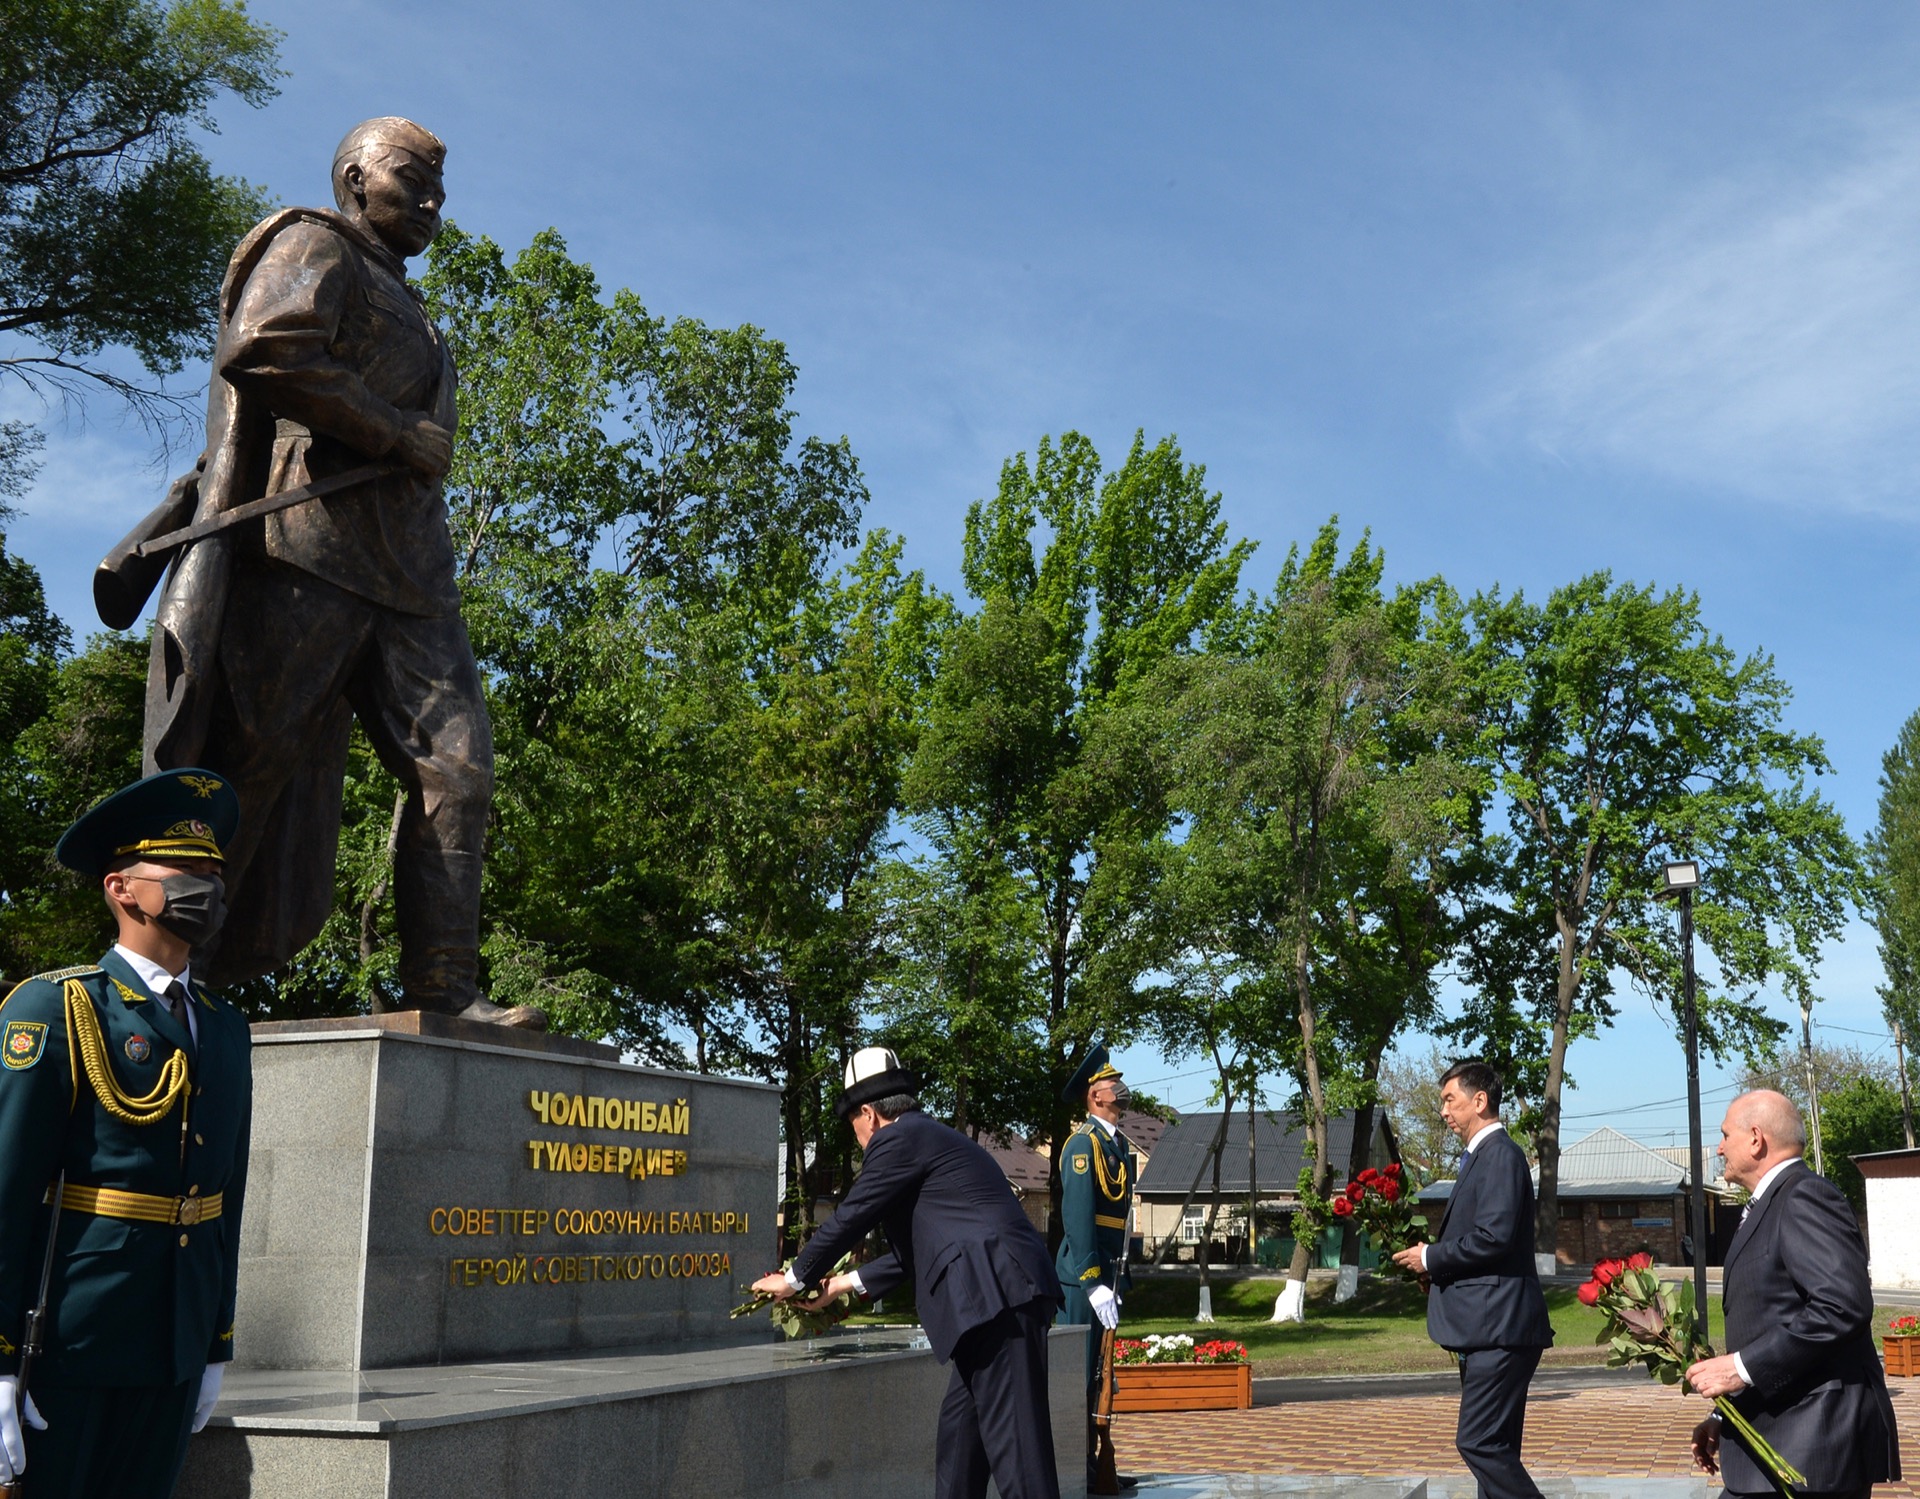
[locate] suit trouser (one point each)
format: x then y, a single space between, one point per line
1493 1413
109 1443
994 1421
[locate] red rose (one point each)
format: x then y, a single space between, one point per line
1589 1294
1640 1261
1608 1271
1393 1171
1356 1190
1390 1190
1368 1175
1342 1208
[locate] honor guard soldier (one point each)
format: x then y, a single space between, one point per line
125 1102
1098 1168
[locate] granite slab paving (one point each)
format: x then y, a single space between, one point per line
373 1401
1574 1436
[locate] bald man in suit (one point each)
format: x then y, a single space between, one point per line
1802 1365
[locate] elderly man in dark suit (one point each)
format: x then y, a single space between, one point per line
983 1280
1799 1310
1484 1302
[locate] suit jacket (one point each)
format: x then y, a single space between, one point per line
1097 1173
1799 1311
131 1303
952 1224
1486 1291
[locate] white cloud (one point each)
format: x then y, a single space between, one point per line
1762 340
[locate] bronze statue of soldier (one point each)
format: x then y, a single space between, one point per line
331 404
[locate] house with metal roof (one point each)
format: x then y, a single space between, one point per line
1176 1190
1618 1197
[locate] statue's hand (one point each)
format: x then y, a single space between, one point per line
425 447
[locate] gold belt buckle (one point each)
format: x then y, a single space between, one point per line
186 1211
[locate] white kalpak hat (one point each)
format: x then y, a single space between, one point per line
873 1073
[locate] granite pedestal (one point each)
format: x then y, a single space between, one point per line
481 1262
425 1191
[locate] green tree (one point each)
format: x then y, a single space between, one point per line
1083 582
1893 857
1622 734
114 228
1309 759
1860 1116
81 742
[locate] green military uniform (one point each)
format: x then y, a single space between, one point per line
1097 1173
99 1082
1098 1168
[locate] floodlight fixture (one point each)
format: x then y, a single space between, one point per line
1684 874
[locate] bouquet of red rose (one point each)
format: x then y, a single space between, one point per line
1377 1200
1652 1323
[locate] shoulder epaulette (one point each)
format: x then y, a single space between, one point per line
1084 1127
61 975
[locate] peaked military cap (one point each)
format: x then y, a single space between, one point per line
873 1073
1097 1067
177 814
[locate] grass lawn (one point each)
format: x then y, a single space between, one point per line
1383 1330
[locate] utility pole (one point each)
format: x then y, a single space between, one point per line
1906 1092
1813 1084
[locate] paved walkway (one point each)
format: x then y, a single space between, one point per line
1587 1428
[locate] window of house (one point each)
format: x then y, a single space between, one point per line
1571 1209
1620 1210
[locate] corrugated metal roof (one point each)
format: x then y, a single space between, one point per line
1279 1141
1607 1157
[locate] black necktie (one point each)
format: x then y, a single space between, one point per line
176 998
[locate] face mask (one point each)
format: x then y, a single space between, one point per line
1122 1095
194 906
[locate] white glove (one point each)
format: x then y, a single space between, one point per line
209 1394
13 1442
1106 1306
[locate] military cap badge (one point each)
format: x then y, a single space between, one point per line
23 1044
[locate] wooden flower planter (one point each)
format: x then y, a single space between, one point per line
1903 1357
1184 1387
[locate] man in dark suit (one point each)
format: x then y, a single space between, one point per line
1799 1308
1484 1303
983 1281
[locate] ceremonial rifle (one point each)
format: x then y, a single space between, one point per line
34 1340
1106 1474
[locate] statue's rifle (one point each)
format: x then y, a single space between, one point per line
33 1341
128 573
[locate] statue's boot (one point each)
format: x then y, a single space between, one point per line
437 909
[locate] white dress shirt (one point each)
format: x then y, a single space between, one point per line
157 978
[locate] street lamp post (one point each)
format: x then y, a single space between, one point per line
1681 880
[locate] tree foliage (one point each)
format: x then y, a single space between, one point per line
114 227
1622 734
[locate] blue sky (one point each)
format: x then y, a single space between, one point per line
1527 290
